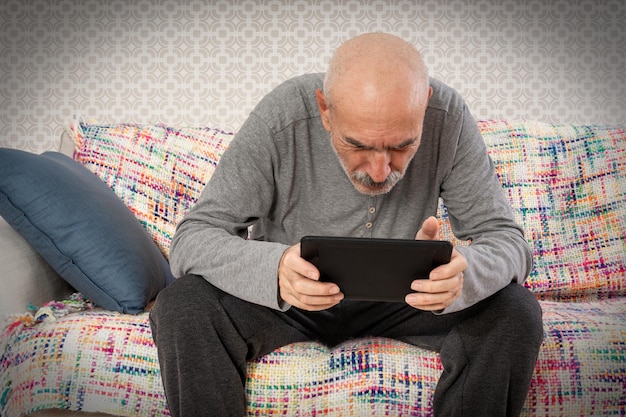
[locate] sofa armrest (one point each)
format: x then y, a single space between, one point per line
25 278
66 144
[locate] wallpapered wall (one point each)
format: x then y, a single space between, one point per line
208 62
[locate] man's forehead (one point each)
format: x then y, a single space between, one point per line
372 125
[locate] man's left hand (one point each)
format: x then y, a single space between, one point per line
444 284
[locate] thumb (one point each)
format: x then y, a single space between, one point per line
429 229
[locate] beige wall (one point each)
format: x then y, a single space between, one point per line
208 62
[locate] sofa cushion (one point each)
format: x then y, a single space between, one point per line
108 363
567 187
82 229
158 171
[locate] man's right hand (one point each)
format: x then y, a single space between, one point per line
299 285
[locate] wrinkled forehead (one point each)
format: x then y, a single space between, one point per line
375 96
371 107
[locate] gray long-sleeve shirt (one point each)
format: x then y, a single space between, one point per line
281 175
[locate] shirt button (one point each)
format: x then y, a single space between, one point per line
372 210
368 225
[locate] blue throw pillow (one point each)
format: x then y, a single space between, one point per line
82 229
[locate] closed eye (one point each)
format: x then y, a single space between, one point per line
356 144
362 147
404 145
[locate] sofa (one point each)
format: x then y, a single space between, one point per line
76 338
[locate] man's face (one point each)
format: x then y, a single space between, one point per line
374 147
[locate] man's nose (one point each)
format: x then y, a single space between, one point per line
379 166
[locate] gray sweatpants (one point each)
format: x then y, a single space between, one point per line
205 337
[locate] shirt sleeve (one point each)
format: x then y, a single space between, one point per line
480 212
211 240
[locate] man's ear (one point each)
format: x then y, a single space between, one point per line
323 107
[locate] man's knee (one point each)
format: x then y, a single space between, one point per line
183 291
185 298
519 308
521 302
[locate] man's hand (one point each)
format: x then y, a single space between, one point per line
299 285
445 283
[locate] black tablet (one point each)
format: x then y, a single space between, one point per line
371 269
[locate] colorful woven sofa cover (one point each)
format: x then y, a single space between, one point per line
105 361
567 186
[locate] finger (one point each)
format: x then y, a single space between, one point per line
429 229
432 302
428 302
307 286
441 286
435 295
311 302
299 286
457 264
308 294
292 260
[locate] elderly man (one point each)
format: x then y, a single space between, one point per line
364 151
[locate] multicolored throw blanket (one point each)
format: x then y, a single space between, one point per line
567 187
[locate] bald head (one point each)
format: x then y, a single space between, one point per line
374 102
375 66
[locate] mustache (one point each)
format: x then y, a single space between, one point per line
364 179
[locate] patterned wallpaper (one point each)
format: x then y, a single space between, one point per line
193 62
